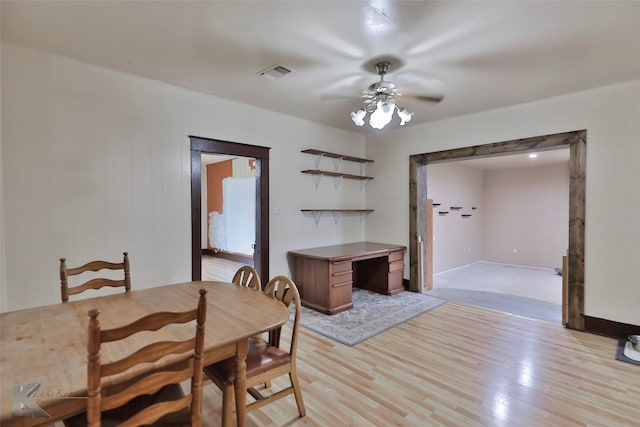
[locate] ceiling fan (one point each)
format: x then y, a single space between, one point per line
380 98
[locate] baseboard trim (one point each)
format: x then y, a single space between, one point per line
609 328
230 256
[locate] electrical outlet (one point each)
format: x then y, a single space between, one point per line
515 251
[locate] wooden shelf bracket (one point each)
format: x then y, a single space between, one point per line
337 180
336 217
316 216
337 162
316 180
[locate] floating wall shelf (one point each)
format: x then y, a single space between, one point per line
337 174
466 215
443 212
336 156
337 213
456 208
318 173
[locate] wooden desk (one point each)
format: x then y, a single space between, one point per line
325 275
49 344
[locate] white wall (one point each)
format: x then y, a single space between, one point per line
97 161
457 240
526 209
526 215
611 116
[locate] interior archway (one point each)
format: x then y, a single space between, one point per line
576 141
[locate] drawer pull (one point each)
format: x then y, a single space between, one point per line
341 273
337 285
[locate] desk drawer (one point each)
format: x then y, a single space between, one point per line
340 267
340 273
396 266
396 256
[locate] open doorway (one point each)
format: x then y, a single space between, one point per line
200 146
575 141
228 207
500 231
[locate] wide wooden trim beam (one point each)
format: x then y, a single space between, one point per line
201 145
576 141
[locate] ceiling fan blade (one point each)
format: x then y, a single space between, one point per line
344 88
425 98
412 82
334 96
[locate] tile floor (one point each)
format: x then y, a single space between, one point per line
526 291
531 282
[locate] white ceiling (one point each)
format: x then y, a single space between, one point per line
510 161
485 54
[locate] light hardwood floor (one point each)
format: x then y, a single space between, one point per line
214 268
456 366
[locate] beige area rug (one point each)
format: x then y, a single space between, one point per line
371 314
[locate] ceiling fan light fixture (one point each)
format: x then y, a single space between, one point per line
358 117
405 116
382 115
380 98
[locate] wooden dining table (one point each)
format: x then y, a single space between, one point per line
43 350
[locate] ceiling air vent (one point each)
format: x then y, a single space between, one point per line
274 71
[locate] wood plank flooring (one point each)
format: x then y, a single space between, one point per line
214 268
456 366
459 366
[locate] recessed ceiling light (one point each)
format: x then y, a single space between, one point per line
533 155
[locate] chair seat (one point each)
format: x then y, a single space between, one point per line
261 357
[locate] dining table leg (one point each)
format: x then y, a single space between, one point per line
240 385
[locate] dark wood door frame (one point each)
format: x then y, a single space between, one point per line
201 145
576 142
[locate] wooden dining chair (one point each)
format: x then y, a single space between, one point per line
95 283
154 398
247 276
265 359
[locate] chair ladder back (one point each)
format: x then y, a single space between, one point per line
189 368
95 283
